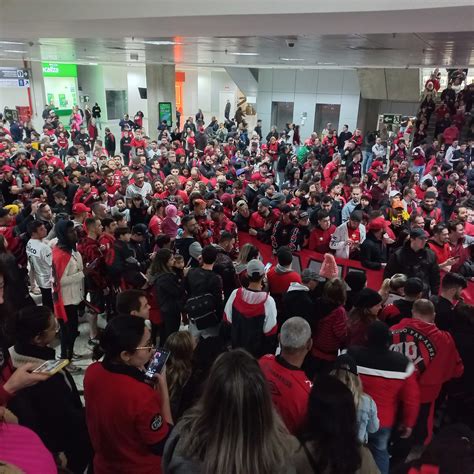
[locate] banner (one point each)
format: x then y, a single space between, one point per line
313 260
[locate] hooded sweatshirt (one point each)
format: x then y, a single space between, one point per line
297 301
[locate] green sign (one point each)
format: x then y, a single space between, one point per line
62 101
165 112
59 70
392 119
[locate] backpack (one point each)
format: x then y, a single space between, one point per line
202 311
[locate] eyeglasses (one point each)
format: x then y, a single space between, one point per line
148 347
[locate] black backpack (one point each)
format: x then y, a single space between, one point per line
201 311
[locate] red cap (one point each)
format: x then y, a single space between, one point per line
377 224
376 163
6 169
256 177
79 208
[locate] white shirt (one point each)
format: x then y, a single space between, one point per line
378 150
133 189
40 258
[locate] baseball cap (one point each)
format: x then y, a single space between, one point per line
240 171
6 169
264 202
397 204
303 215
255 267
346 362
376 224
241 203
79 208
278 197
418 234
195 250
139 229
308 275
393 193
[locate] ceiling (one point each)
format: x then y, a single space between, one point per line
325 51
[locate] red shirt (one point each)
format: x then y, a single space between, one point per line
442 252
330 334
179 193
290 390
432 351
319 239
124 419
278 283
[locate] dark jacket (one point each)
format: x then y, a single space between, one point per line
53 409
169 294
420 264
199 282
298 301
373 252
224 267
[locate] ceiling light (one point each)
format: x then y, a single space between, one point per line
14 51
326 64
11 42
162 43
93 64
244 54
291 59
92 57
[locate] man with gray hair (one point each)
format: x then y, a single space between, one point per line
289 385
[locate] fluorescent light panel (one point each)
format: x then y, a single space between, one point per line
244 54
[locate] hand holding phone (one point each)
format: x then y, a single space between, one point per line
51 367
157 363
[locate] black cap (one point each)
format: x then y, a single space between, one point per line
367 298
418 234
140 229
346 362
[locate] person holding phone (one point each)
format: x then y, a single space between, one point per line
53 409
128 415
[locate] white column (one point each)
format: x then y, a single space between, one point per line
160 84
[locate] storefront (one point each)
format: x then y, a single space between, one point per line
60 85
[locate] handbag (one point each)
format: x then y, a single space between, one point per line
201 311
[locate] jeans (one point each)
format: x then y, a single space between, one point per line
367 161
378 444
69 331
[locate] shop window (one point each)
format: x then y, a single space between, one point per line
117 104
282 113
326 113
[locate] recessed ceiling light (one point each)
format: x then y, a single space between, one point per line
291 59
11 42
244 54
162 43
14 51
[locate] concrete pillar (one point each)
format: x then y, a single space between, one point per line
160 85
38 94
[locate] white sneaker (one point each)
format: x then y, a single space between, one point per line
74 369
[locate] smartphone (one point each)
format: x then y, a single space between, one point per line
157 363
267 267
51 367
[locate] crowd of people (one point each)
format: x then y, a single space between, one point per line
271 370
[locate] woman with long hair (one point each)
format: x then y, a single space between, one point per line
53 407
365 311
181 345
247 252
345 370
234 428
169 291
128 413
330 444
